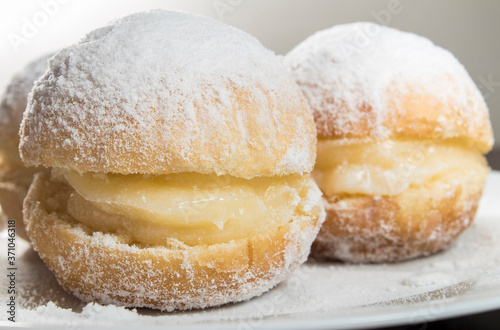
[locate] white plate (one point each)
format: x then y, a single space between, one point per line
464 279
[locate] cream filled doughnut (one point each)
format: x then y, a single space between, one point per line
402 130
179 151
15 178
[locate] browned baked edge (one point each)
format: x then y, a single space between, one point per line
413 115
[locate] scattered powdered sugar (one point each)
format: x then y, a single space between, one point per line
165 91
348 74
429 279
90 314
469 268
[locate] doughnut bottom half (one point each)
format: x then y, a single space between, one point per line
110 269
417 222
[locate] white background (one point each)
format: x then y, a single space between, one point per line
470 29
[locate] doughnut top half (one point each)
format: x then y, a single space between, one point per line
165 92
364 80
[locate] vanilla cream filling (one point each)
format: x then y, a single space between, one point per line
391 167
192 208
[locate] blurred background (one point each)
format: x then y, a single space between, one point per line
469 29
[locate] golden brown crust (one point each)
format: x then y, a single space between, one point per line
417 222
413 115
426 116
242 145
98 267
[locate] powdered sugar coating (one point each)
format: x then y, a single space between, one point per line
165 92
14 101
366 80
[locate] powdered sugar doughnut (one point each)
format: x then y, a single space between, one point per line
226 96
402 130
15 178
179 151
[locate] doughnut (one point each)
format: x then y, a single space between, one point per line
178 154
402 132
15 178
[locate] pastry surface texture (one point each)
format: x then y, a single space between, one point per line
402 130
145 108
